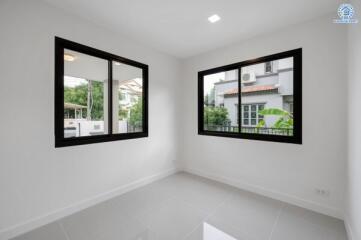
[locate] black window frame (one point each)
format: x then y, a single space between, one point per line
297 98
60 141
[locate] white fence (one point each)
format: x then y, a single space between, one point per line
83 127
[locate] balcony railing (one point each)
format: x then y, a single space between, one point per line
252 130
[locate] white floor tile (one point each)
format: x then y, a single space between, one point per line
251 214
174 220
143 200
51 231
187 207
301 224
208 231
103 222
205 195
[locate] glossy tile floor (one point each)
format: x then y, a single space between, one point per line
188 207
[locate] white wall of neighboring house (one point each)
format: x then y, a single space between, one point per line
284 171
353 203
220 88
281 76
273 100
39 182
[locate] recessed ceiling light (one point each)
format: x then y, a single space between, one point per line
68 57
214 18
117 63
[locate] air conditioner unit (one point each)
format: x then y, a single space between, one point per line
248 77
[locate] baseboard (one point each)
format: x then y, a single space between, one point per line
39 221
270 193
349 229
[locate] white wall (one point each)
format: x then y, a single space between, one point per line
284 171
35 178
353 203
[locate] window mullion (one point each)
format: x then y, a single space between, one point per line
239 101
110 97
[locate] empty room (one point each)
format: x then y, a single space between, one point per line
180 120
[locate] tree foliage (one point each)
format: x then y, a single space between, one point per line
216 116
285 119
136 114
79 95
122 114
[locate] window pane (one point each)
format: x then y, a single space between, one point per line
127 98
85 95
271 94
220 94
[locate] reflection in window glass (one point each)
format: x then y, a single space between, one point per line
127 98
85 95
267 99
220 94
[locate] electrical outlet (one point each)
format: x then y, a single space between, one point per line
322 192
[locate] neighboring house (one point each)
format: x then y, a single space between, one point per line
266 85
130 92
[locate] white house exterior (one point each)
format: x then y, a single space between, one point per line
265 85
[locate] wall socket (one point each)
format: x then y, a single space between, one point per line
322 192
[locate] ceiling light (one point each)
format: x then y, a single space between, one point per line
117 63
214 18
68 57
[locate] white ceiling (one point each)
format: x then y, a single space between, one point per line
96 69
180 27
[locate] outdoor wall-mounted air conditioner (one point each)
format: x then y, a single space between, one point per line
248 78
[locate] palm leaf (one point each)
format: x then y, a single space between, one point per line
275 112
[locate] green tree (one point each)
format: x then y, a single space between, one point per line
79 95
136 114
123 114
285 119
215 116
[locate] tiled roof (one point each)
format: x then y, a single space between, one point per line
250 89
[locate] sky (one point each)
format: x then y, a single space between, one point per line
209 81
74 81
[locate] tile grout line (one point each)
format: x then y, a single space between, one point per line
276 220
63 230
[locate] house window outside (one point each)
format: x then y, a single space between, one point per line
266 108
251 116
99 96
268 67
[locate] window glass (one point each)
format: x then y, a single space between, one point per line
269 98
127 98
99 97
220 95
259 99
85 95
